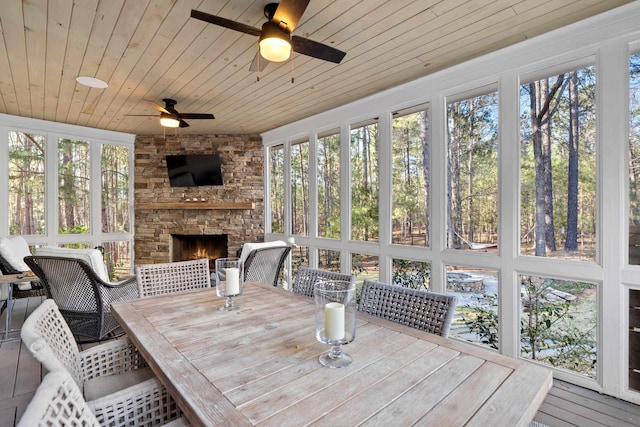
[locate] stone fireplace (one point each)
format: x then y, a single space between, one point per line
234 210
186 247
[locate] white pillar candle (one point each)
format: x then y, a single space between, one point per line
233 281
334 321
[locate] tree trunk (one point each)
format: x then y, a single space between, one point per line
535 100
426 167
571 241
549 229
539 102
470 177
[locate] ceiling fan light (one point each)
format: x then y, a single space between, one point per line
169 121
274 43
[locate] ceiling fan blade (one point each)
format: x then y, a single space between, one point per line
223 22
258 63
183 124
316 50
289 12
159 107
196 116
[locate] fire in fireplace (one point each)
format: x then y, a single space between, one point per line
195 246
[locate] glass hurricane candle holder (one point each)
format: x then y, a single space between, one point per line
335 317
229 280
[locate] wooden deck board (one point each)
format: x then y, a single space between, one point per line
566 404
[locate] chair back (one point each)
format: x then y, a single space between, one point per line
307 277
58 402
158 279
81 296
424 310
48 337
264 264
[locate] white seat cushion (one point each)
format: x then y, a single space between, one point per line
248 247
13 250
93 257
105 385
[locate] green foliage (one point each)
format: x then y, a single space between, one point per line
364 184
548 332
482 319
77 229
411 274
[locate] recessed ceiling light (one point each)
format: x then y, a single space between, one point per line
91 82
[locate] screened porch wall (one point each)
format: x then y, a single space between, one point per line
605 42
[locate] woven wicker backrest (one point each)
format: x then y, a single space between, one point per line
307 277
158 279
264 264
48 337
71 282
58 402
427 311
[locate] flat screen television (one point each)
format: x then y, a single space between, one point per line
194 170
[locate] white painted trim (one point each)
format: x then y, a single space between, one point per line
603 40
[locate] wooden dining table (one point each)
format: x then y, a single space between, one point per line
259 366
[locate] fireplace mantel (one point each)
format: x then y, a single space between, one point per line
195 205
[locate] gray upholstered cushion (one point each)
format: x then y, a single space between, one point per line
98 387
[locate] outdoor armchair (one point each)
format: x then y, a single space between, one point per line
84 299
307 277
264 264
424 310
113 378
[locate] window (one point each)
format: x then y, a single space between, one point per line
477 316
26 184
300 188
276 179
634 159
472 185
364 182
411 274
329 260
558 166
74 207
115 189
329 185
558 324
365 267
69 191
410 170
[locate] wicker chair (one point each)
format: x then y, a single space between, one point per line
158 279
307 277
264 264
113 377
58 402
82 297
427 311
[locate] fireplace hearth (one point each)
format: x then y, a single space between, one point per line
195 246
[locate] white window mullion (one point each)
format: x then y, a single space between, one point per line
508 217
51 188
345 196
385 188
613 145
438 173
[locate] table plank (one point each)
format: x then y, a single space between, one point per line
259 366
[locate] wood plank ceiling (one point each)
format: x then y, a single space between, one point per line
153 49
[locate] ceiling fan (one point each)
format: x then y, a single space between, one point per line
276 41
170 117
